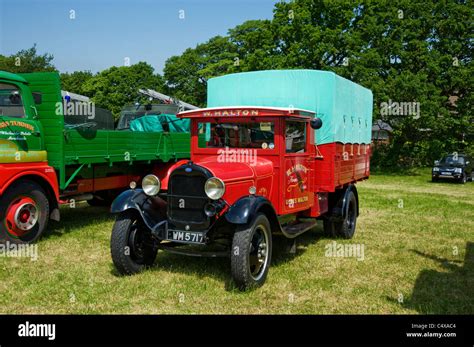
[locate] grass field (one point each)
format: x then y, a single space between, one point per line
418 240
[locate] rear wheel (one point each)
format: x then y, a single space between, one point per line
131 244
343 227
24 212
251 253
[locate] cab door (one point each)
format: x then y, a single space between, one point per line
297 177
20 134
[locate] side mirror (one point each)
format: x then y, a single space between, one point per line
316 123
38 98
467 162
436 162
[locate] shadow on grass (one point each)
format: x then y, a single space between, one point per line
74 218
450 292
219 268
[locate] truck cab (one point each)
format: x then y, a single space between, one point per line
252 175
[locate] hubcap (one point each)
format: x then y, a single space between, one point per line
22 216
258 255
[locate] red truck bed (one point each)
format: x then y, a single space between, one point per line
341 164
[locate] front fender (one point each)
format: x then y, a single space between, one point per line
151 209
245 209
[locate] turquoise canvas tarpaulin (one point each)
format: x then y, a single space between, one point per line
154 123
344 106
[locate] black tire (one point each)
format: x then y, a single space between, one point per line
345 228
14 202
131 244
434 179
463 179
247 272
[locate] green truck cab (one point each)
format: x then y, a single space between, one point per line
48 157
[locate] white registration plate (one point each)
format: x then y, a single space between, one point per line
446 173
185 236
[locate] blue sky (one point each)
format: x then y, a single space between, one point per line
105 32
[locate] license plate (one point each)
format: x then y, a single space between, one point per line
185 236
446 173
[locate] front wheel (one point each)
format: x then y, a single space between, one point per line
251 253
463 179
24 212
131 244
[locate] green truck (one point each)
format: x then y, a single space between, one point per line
55 149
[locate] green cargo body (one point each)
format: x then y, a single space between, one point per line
82 147
344 106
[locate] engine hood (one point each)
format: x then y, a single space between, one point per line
230 171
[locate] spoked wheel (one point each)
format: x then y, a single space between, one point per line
251 253
24 210
346 227
131 244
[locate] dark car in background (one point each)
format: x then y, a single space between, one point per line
457 167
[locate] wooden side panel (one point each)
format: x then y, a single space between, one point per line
341 164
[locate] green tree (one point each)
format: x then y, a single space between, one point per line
27 60
117 86
186 75
74 82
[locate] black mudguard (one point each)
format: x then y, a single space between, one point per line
245 209
340 208
151 209
350 188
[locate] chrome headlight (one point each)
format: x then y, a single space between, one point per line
151 185
458 170
214 188
436 169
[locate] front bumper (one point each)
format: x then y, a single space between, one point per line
450 175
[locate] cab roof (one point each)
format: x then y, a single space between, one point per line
11 77
246 111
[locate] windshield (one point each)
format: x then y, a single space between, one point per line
452 160
11 104
238 135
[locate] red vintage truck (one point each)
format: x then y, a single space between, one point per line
260 172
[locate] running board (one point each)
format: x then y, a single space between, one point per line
194 253
294 229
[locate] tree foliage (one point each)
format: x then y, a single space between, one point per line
27 60
117 86
74 82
